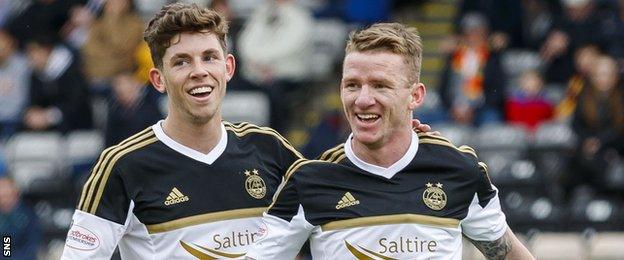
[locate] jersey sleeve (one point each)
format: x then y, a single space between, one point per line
287 154
286 228
485 220
100 219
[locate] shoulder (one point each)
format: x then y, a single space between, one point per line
129 148
305 167
441 150
254 133
335 154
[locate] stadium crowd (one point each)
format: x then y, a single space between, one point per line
536 86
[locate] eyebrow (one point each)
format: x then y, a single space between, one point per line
210 51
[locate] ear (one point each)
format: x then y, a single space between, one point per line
418 95
155 77
230 66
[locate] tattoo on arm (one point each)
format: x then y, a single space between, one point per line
496 249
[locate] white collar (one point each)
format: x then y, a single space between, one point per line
378 170
208 158
58 62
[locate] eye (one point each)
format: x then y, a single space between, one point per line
208 58
180 62
351 86
380 86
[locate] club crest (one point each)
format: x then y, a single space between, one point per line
434 197
255 185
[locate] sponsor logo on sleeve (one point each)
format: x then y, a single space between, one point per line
82 239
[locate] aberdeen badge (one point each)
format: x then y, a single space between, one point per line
434 197
255 185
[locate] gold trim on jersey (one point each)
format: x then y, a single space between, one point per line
205 218
329 152
245 128
102 170
295 166
428 139
391 219
195 252
109 169
361 256
89 182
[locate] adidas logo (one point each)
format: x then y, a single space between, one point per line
347 201
175 197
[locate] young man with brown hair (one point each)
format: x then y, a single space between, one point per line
387 192
191 186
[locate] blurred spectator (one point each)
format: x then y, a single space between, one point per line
517 24
331 130
275 47
10 8
112 42
19 221
76 29
613 30
528 105
14 82
41 17
133 107
599 124
367 12
582 23
584 59
473 82
59 96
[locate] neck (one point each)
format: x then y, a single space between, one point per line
386 154
200 137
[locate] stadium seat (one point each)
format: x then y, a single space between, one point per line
328 37
501 137
607 246
83 148
515 62
554 135
558 246
457 134
36 160
596 212
30 146
614 176
256 107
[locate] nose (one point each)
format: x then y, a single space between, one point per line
365 97
199 71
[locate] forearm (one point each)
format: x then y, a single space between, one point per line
506 247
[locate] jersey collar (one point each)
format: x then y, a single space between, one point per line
208 158
378 170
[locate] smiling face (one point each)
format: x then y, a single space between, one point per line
378 97
194 74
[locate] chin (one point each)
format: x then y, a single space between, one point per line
366 138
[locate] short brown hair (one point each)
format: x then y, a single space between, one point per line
392 37
177 18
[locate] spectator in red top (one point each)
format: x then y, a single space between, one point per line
528 105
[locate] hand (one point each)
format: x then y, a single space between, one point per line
462 114
424 128
36 119
591 146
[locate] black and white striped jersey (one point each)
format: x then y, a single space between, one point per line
417 208
157 199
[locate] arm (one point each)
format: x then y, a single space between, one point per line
485 225
506 247
100 220
286 228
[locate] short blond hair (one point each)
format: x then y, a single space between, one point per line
393 37
178 18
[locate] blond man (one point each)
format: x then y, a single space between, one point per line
387 192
